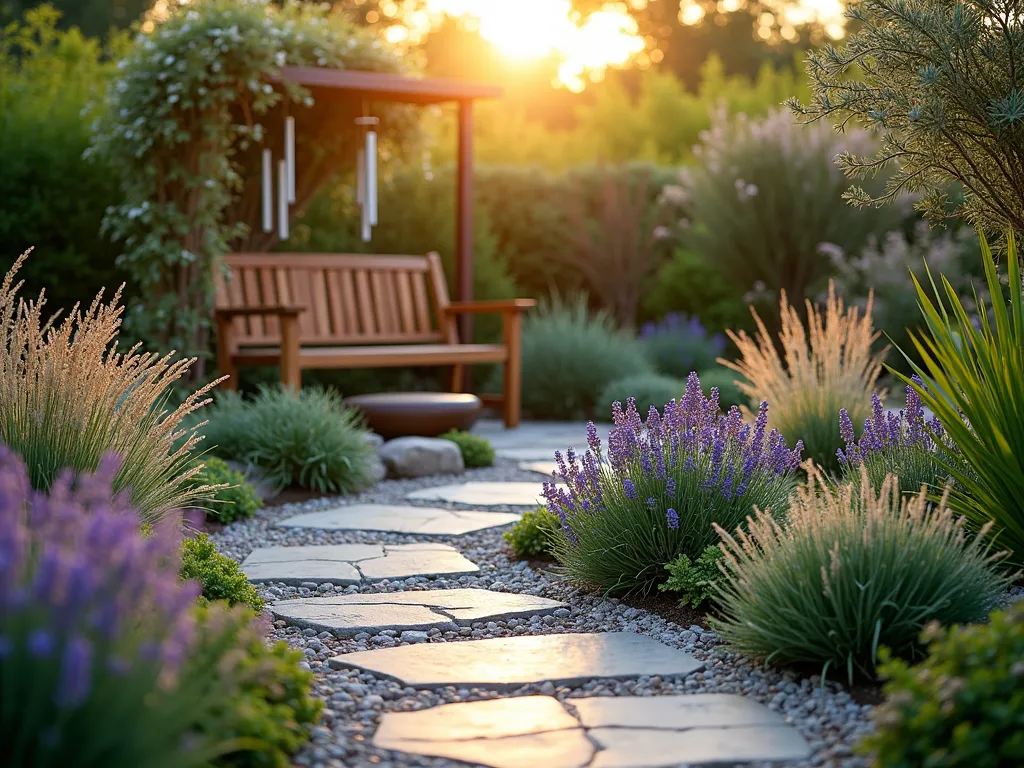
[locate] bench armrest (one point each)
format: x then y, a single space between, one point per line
490 307
277 311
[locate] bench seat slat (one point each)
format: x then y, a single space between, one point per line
378 356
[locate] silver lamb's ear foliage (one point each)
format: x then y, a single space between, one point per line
894 75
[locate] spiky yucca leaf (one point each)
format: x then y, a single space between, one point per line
67 397
824 367
974 383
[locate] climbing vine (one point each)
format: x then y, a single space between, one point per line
192 106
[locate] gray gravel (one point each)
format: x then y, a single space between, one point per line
826 715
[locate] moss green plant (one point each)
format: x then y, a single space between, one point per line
532 536
219 575
234 498
695 580
476 451
963 706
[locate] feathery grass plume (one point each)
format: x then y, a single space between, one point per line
851 569
67 397
827 366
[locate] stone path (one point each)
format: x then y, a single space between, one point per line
411 613
536 441
479 494
545 468
354 563
509 662
421 521
603 732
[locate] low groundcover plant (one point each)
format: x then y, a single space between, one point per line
850 570
661 486
902 444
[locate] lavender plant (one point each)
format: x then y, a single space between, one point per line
95 626
662 486
902 444
678 345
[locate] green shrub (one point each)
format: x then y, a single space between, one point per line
647 389
678 346
307 439
661 486
263 699
694 579
729 392
534 534
219 575
235 499
963 706
691 283
476 451
570 355
54 198
974 384
848 572
767 194
66 400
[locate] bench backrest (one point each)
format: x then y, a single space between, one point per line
349 298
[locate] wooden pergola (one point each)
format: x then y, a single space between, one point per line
376 86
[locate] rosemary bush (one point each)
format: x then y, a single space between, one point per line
902 444
69 397
851 570
662 485
824 367
308 439
939 81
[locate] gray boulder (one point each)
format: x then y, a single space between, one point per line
421 456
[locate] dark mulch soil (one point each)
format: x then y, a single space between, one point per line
293 495
667 605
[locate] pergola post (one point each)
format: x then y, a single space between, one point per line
464 217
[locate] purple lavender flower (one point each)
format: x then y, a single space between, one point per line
629 488
672 517
887 432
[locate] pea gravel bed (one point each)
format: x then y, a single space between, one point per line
827 716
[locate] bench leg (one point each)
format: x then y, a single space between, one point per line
291 374
225 364
457 378
512 389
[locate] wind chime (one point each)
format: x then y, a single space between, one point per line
366 184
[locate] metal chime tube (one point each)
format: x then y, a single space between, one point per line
268 192
360 177
289 155
282 200
371 176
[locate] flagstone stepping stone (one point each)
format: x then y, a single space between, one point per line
509 662
445 609
606 732
354 563
484 494
422 521
504 733
540 467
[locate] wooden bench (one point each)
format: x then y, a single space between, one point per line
303 311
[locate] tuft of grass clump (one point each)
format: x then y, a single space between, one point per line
851 570
220 577
961 707
476 451
533 535
306 439
570 355
647 389
233 499
824 367
68 397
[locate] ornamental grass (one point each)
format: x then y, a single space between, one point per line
825 366
661 486
67 397
851 570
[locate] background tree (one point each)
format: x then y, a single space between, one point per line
942 83
96 18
